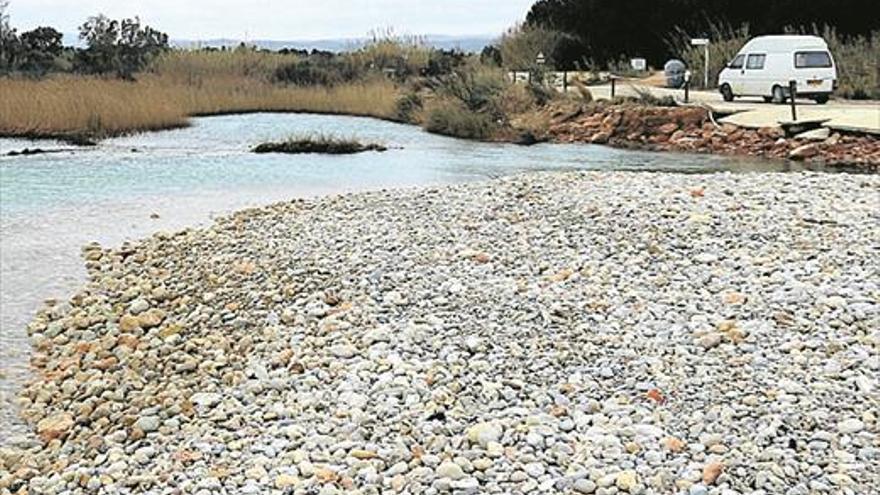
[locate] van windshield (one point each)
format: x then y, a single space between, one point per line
737 63
812 60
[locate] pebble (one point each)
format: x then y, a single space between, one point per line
147 424
449 470
850 426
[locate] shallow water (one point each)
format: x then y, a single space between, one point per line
52 204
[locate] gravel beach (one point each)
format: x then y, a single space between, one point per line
579 332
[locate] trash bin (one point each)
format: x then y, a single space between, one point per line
674 71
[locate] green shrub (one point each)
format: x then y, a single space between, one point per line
452 118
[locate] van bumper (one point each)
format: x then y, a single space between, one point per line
814 94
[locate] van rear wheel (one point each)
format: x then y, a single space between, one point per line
778 95
726 93
821 99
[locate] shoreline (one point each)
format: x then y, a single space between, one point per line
183 325
624 126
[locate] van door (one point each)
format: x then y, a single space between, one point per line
735 72
755 81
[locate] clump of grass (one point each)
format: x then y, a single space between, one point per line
324 144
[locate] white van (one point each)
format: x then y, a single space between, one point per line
766 64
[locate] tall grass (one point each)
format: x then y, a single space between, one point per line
857 57
177 85
74 105
184 65
858 63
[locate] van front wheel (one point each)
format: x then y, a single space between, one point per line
726 93
778 95
821 99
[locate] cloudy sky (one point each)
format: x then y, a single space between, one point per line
280 20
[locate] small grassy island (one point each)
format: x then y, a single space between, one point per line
318 144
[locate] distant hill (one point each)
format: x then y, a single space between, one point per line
464 43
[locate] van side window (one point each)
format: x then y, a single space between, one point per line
737 62
756 61
812 60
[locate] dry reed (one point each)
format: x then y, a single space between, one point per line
197 84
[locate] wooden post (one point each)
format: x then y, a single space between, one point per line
565 81
687 90
613 86
792 94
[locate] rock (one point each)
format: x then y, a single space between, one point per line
584 485
344 351
205 399
138 306
147 424
449 470
151 318
482 464
771 132
803 152
363 454
698 489
601 137
283 481
626 480
711 472
668 128
820 134
710 340
850 426
706 258
484 433
534 469
55 426
129 323
673 444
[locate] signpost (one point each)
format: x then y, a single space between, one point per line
704 42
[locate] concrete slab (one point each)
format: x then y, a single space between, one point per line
753 113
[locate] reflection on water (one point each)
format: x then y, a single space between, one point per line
51 205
